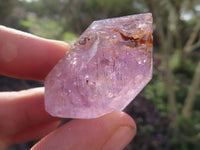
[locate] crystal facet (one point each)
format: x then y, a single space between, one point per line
105 69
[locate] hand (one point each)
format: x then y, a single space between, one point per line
22 114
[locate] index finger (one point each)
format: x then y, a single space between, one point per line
23 55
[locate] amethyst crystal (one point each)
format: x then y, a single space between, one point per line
106 68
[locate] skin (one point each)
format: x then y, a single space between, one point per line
22 113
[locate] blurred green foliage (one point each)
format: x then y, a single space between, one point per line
160 109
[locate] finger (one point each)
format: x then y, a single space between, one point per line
23 55
31 133
18 110
112 131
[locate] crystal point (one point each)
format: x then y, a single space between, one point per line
105 69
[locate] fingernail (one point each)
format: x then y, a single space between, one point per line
120 138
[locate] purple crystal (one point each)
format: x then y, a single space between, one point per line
106 68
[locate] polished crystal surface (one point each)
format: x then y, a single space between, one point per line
105 69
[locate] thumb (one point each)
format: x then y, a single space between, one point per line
111 131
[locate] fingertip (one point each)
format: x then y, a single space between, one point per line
65 46
123 118
124 133
23 55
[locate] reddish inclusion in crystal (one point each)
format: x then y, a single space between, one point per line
106 68
134 42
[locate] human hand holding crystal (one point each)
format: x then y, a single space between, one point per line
22 113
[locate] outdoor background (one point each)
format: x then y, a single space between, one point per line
167 111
